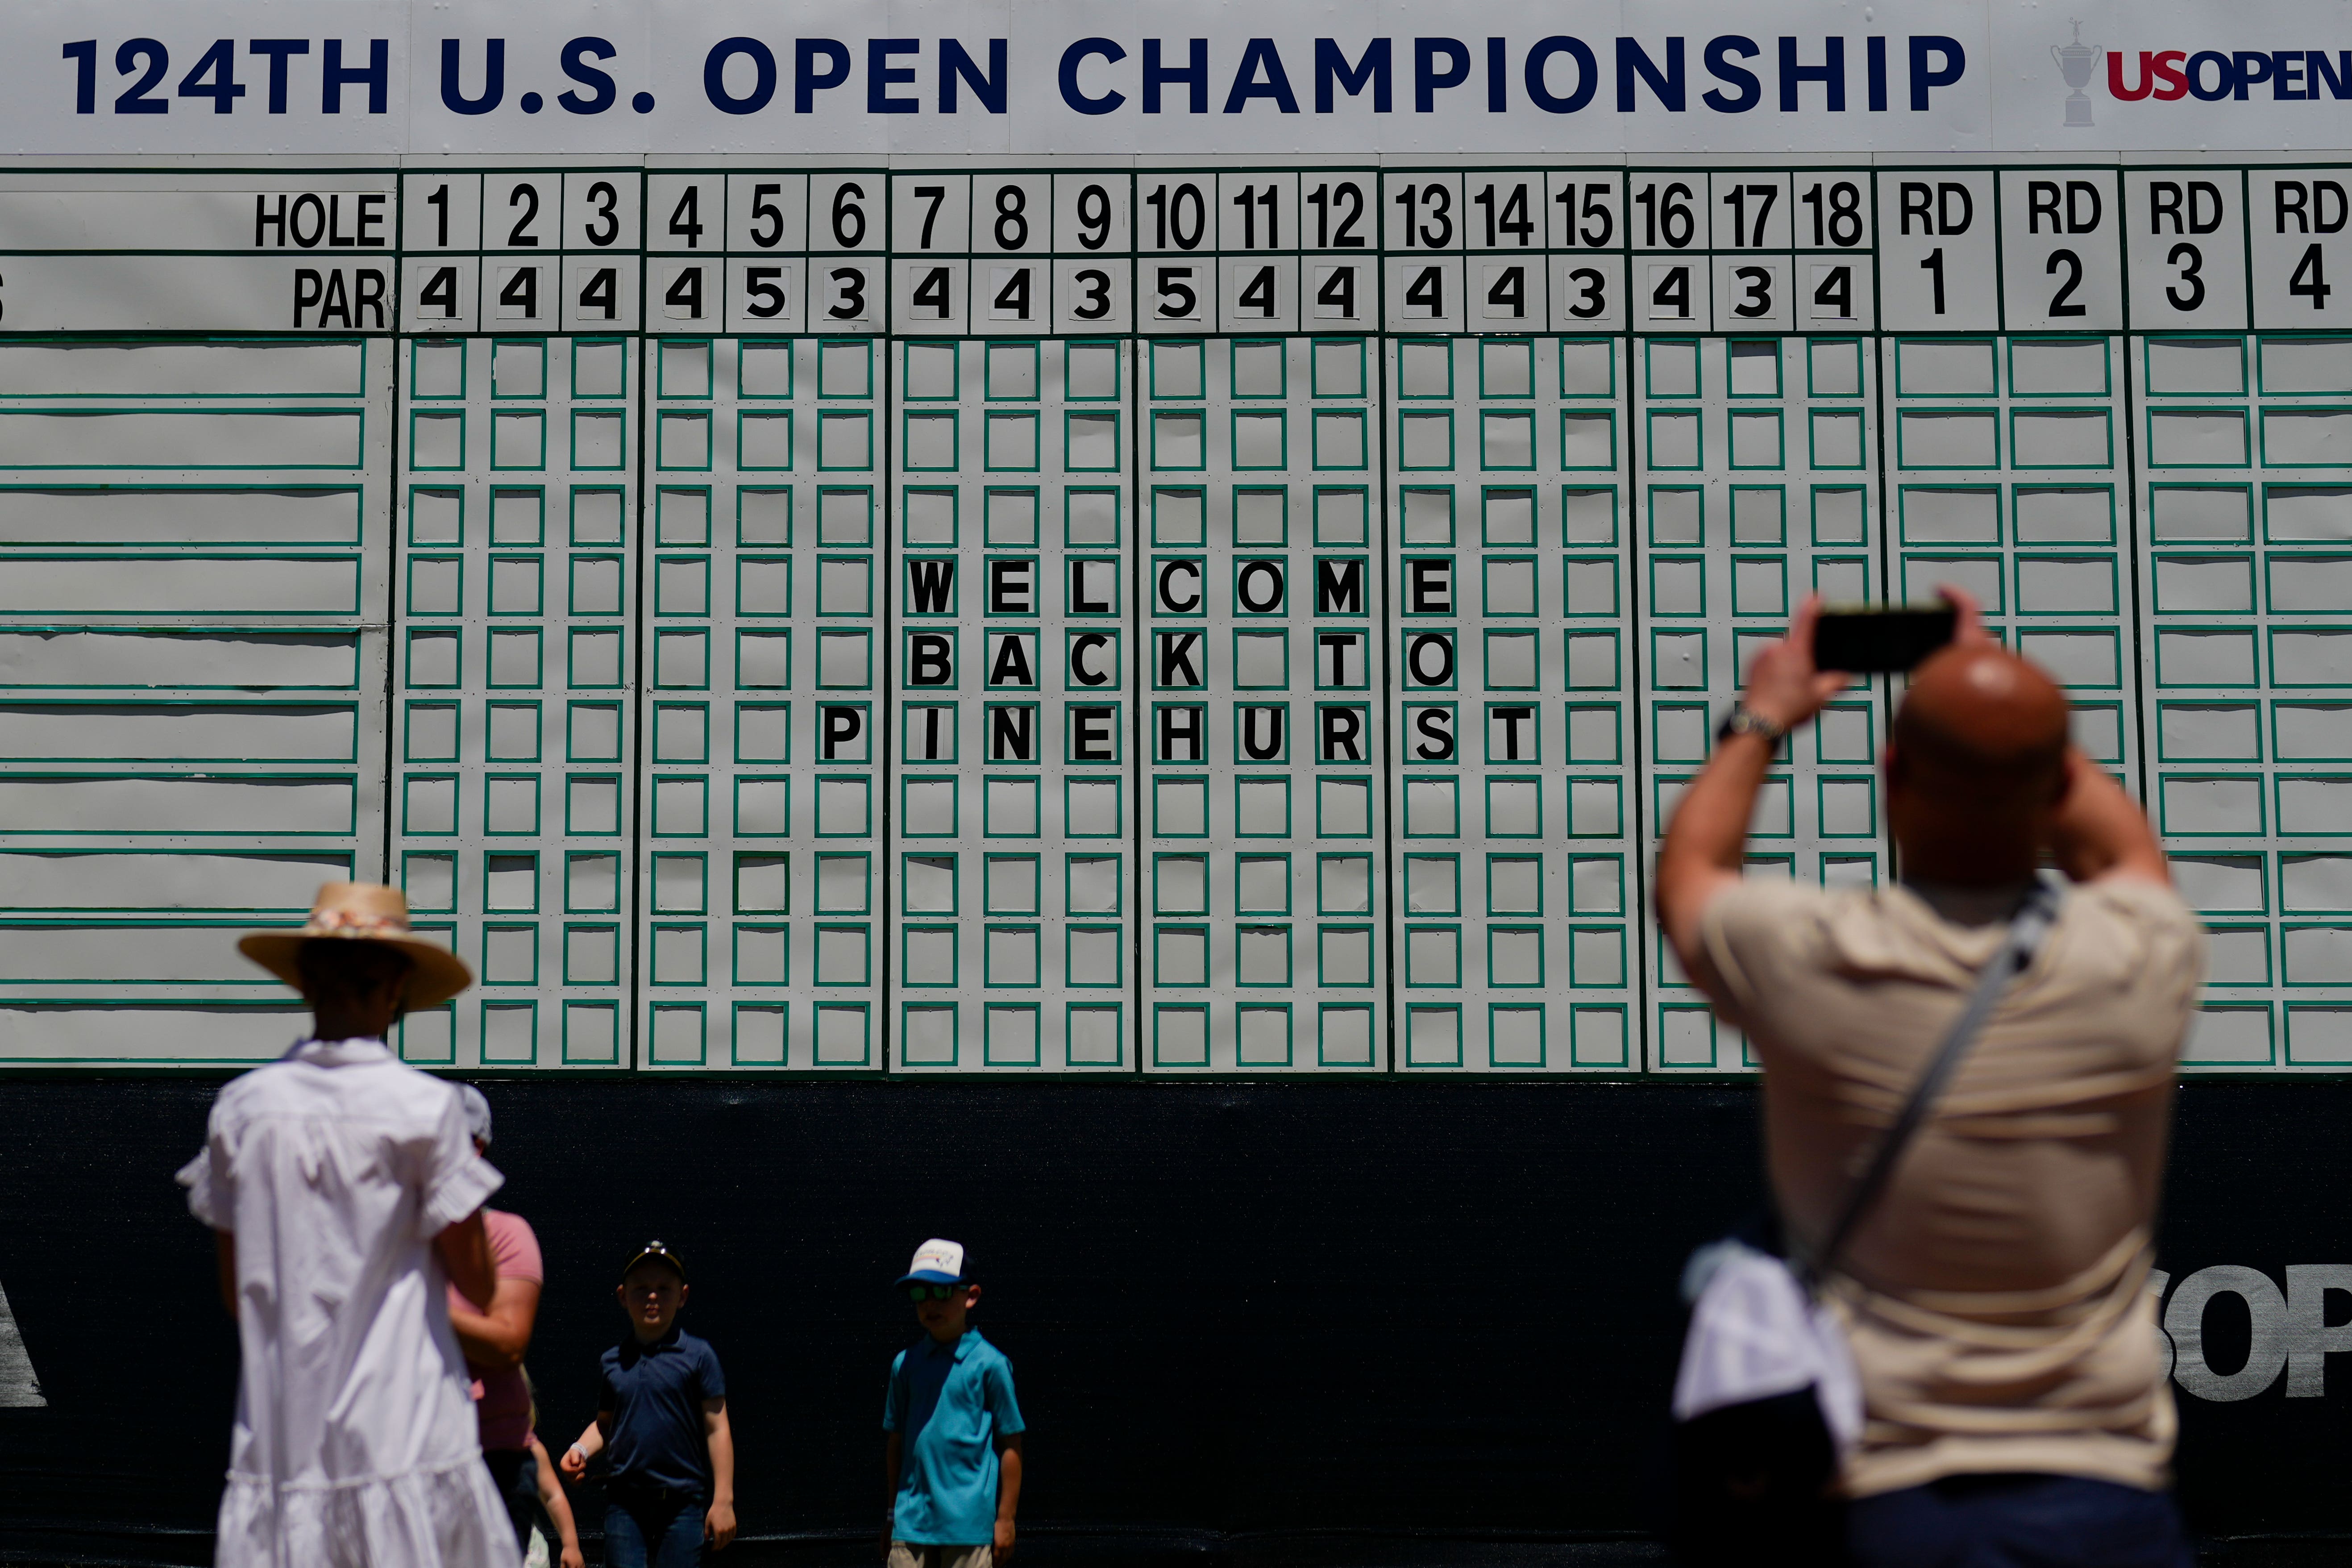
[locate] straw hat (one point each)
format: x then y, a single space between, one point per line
364 911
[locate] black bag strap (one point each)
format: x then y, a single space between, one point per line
2026 929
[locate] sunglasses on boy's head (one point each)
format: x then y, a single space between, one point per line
918 1294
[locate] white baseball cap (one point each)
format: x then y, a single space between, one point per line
937 1262
477 1112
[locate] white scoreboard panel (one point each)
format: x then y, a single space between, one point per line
1117 555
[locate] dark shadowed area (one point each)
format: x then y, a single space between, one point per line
1313 1323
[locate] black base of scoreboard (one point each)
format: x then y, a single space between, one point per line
1338 1325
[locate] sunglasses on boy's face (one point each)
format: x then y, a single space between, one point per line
918 1294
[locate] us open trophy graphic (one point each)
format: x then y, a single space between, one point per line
2075 61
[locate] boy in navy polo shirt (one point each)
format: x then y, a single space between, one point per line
663 1413
954 1443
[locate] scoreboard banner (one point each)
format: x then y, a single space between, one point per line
680 78
1154 539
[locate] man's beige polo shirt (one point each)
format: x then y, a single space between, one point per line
1996 1294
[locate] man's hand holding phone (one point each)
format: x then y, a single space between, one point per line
1784 687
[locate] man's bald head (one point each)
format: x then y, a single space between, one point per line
1982 735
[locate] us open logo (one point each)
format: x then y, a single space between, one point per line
2290 1331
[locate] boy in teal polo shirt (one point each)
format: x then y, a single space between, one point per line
952 1428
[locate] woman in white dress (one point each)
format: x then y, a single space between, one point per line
345 1194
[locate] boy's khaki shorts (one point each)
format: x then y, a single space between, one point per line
925 1554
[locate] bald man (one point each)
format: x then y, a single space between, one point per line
1997 1295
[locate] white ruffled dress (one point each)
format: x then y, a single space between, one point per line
355 1444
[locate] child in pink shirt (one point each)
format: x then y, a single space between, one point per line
494 1343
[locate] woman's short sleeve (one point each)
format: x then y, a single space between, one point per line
212 1198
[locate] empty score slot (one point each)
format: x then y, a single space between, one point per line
1261 516
1424 368
1012 370
1510 517
846 368
930 517
1428 516
684 370
1756 516
1839 515
593 882
1258 370
2306 364
1339 369
1514 885
1092 808
1340 516
677 956
1261 884
435 517
1346 885
1344 955
1094 957
1947 439
591 955
1176 370
1262 806
598 370
1012 958
1674 369
930 370
1674 439
1343 807
2293 513
1181 956
1262 955
1587 369
596 516
2081 514
1506 369
1092 370
2195 365
1178 516
1176 438
438 369
2204 438
1094 884
1677 516
1432 885
2045 368
510 882
1514 808
1836 369
765 369
1012 884
519 369
1944 369
1755 368
1956 516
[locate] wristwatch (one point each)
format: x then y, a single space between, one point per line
1745 720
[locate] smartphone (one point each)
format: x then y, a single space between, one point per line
1867 638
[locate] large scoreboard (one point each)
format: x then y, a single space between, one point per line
965 539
